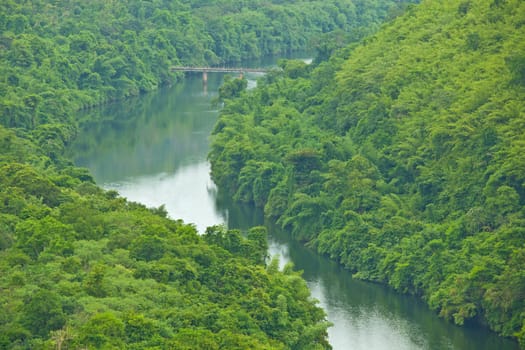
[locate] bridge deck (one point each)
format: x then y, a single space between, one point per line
220 69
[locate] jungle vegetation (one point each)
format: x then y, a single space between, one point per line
86 268
401 157
57 57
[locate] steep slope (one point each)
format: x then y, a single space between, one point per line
401 157
84 268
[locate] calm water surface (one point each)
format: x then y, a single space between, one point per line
153 150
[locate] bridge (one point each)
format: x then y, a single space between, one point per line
206 70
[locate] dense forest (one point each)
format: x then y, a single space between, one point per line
57 57
85 268
401 157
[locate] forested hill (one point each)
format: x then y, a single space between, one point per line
401 157
60 56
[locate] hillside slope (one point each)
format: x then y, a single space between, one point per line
401 157
60 56
85 268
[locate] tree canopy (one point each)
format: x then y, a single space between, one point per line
401 157
83 267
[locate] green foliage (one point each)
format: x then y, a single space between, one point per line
400 157
82 267
147 248
293 68
42 313
231 88
103 330
47 234
253 248
516 64
97 271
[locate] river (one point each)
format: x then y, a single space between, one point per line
152 149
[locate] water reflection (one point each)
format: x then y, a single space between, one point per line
370 316
137 138
153 149
187 193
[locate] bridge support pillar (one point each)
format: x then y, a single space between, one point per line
205 77
241 75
